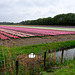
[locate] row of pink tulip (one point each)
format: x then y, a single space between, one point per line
20 34
39 31
9 35
3 37
26 32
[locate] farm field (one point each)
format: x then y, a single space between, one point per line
30 35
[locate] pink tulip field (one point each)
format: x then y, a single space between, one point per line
7 32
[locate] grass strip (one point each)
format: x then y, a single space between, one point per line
67 68
37 49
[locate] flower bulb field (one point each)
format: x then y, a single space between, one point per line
17 32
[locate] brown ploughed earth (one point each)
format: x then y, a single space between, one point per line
38 40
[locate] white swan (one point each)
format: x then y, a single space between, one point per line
32 55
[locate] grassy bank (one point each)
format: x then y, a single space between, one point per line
6 53
37 49
67 68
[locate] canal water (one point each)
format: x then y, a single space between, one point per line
67 54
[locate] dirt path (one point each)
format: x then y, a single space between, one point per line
40 40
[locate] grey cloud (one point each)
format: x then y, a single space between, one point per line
18 10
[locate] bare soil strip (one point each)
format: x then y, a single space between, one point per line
39 40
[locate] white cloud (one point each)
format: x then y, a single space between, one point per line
20 10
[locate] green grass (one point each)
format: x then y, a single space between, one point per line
34 48
12 52
68 68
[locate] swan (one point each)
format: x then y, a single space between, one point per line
32 55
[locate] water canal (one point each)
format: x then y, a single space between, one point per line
67 54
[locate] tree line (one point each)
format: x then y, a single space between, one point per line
7 23
60 19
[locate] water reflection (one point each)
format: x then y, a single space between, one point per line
68 54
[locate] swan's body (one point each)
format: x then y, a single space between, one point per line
31 55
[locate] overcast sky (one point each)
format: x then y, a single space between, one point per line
21 10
